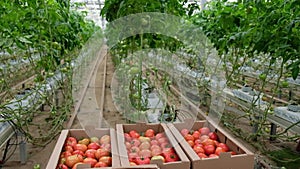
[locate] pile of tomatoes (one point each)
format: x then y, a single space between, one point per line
93 151
141 149
205 142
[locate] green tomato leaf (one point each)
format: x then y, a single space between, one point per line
295 71
24 40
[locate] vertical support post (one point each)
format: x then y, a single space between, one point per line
23 152
255 125
273 131
243 80
42 107
56 97
298 146
290 94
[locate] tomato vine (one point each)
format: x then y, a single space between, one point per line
45 36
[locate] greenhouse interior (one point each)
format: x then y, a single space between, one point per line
122 84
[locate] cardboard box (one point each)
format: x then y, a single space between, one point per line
244 158
184 162
150 166
81 133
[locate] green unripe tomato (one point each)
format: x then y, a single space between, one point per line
134 70
263 76
285 84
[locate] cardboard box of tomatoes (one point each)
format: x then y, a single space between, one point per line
85 148
150 166
142 144
210 147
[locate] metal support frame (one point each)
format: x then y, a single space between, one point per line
23 150
5 153
273 131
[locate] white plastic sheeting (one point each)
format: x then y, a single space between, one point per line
93 8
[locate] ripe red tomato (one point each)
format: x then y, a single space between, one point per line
198 149
68 148
94 146
80 147
128 145
79 152
106 159
184 132
166 145
142 160
72 160
163 140
62 166
65 154
166 151
213 156
132 156
100 164
219 150
208 142
134 134
224 147
127 137
198 142
203 138
145 153
155 147
233 152
154 142
209 149
144 146
202 155
134 149
101 152
149 133
135 142
216 143
204 130
90 153
159 135
156 152
191 143
213 136
106 146
171 157
91 161
71 141
189 137
196 135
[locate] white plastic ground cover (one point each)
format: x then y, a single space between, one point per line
257 100
15 65
30 98
6 130
295 82
284 113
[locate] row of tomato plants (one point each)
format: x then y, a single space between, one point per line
52 30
